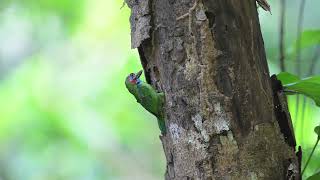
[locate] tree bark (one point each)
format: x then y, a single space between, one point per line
225 118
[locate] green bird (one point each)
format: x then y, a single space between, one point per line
148 97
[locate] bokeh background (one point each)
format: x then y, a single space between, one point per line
64 110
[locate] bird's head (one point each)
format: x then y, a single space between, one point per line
133 78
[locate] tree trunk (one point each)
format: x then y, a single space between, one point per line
224 120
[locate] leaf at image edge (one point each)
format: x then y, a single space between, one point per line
309 38
316 176
309 87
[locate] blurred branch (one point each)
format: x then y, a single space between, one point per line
314 147
298 51
123 4
311 71
281 39
314 60
304 105
299 30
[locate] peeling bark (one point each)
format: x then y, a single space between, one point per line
224 120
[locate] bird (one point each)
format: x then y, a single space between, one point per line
147 96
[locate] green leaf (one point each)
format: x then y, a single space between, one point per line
308 86
287 78
309 38
316 176
317 130
309 89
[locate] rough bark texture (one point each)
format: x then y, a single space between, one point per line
223 119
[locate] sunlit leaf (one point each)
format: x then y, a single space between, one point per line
308 86
287 78
316 176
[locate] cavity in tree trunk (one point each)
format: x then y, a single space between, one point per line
225 117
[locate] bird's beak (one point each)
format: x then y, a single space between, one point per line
139 74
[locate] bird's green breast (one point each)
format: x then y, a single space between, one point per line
150 99
147 96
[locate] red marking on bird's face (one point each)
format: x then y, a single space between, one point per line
132 78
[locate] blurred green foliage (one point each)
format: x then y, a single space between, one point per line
69 12
65 112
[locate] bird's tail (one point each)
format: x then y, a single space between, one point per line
162 126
